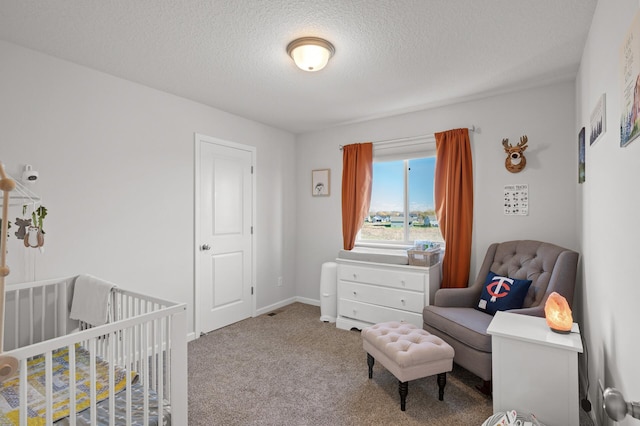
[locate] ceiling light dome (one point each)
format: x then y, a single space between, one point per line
310 53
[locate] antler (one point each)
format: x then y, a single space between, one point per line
506 144
523 141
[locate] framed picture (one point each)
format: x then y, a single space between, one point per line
630 84
320 182
598 122
581 162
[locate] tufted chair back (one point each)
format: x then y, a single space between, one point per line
549 267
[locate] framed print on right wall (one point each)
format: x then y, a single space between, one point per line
630 84
598 120
581 162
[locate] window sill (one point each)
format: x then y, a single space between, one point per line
384 245
391 246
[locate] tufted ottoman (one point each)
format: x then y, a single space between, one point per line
409 353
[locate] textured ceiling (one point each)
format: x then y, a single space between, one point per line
392 56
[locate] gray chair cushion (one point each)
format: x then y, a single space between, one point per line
467 325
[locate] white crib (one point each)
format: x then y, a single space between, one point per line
132 370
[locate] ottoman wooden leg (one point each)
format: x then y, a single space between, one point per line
370 362
442 382
403 387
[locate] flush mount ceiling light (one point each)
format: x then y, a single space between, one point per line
310 53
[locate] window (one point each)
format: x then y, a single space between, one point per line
402 203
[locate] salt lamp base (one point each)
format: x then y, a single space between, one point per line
555 330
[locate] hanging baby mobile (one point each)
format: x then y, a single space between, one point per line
30 230
34 236
516 160
30 225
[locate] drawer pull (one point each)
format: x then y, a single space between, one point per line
402 282
355 276
354 293
402 301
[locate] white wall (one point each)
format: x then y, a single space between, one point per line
116 161
609 206
545 115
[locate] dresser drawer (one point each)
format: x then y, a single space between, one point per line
374 314
386 296
397 278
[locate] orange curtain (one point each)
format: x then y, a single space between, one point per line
454 204
357 174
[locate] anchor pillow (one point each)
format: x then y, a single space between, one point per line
502 293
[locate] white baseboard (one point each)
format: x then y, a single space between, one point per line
308 301
286 302
275 306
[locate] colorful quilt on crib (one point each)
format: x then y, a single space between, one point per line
36 392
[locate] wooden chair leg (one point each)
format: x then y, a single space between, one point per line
403 387
486 387
370 362
442 382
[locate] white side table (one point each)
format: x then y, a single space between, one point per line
535 370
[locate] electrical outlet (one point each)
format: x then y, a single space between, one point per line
279 281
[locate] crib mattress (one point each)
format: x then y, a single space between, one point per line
377 255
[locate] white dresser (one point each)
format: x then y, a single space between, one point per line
370 293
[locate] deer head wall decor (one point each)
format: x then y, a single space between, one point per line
516 160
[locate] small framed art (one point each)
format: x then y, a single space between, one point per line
320 182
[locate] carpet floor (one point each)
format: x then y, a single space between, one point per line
289 368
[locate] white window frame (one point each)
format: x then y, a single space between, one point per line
405 150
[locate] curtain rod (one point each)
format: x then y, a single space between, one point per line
407 139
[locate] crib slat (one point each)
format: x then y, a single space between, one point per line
92 379
23 392
48 374
167 353
43 314
72 384
154 361
58 290
112 358
30 305
129 346
136 337
160 368
16 320
145 373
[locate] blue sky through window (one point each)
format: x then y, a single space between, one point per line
388 185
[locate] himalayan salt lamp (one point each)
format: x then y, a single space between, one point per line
558 314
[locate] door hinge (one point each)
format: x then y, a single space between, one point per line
252 230
251 169
252 290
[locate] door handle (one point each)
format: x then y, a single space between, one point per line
205 247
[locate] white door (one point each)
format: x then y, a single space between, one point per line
224 255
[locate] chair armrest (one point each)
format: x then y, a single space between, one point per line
467 297
535 311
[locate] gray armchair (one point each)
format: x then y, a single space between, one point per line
453 316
